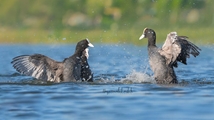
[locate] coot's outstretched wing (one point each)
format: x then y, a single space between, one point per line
178 48
39 66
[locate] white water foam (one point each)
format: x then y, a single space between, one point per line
138 77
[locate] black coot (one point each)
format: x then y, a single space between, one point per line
44 68
162 61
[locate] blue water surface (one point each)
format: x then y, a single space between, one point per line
123 87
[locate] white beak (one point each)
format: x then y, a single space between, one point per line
90 45
142 36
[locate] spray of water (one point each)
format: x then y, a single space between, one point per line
138 77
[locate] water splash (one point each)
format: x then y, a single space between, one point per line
138 77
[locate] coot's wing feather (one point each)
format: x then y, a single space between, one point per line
187 49
38 66
72 69
178 48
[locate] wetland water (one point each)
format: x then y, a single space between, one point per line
123 88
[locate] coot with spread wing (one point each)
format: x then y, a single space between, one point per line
44 68
163 60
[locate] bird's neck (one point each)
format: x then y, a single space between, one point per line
152 41
78 53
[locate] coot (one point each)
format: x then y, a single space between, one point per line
44 68
162 61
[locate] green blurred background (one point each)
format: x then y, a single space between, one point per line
104 21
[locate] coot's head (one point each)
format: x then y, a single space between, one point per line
83 44
148 33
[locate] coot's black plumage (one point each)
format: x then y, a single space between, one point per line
176 48
86 73
44 68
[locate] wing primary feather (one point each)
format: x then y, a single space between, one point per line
178 48
37 65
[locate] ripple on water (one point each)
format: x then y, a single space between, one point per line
23 97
